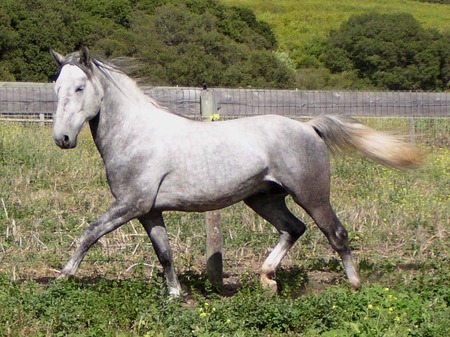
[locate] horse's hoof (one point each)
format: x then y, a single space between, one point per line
269 284
63 275
355 284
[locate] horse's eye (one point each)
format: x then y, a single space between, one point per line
80 88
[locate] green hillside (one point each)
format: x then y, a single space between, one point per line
301 25
289 44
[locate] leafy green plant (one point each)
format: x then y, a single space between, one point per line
302 30
393 51
184 43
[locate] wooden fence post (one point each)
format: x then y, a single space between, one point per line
42 119
412 131
214 262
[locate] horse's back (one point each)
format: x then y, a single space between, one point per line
217 164
284 138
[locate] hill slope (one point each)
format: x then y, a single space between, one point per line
300 26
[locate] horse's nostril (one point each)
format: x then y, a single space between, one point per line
65 141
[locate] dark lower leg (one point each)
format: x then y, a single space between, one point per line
114 217
156 230
337 235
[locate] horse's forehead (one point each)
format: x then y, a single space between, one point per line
70 74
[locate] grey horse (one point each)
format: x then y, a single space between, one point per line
157 161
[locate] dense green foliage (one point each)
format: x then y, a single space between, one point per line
390 51
138 308
192 42
180 42
302 29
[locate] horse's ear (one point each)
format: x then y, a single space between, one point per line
85 58
60 59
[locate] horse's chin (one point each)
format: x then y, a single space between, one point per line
66 145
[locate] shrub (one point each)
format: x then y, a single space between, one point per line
184 43
392 51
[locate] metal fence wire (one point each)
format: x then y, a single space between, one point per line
234 103
36 102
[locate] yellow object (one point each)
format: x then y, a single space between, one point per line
214 117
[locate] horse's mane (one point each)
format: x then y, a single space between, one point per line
132 67
126 66
104 66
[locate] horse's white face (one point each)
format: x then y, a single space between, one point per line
79 100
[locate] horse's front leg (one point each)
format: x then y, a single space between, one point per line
154 226
118 214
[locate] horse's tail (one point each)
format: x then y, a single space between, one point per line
344 134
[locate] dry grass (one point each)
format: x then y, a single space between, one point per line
48 196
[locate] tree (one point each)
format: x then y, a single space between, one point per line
392 51
188 42
206 45
40 25
8 42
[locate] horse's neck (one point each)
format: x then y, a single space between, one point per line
125 113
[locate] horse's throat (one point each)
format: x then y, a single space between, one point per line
93 124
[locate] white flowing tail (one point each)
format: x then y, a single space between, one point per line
344 134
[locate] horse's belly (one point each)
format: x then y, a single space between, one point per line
202 197
218 175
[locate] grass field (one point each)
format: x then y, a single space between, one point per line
302 26
398 224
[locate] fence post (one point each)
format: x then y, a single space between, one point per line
412 131
214 262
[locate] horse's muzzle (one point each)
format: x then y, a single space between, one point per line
65 141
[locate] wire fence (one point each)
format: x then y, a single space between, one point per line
34 101
300 103
419 113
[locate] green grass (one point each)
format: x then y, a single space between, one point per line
398 224
138 308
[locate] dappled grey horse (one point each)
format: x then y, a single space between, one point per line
156 161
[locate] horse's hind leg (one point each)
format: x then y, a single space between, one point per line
336 234
156 230
273 209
